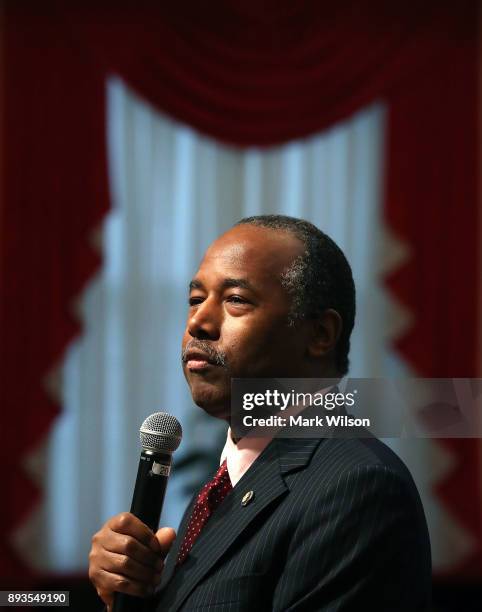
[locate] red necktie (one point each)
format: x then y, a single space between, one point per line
211 495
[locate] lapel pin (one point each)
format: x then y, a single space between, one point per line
247 497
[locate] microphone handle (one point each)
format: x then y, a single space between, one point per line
147 500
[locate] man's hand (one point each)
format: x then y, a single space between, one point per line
127 557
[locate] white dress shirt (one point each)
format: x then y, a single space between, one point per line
241 456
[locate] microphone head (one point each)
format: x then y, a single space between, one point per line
160 432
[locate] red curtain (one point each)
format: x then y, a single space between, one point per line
55 195
246 73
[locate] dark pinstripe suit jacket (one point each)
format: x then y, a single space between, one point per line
334 525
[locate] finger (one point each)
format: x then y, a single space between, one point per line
116 563
130 547
111 582
128 524
165 536
107 597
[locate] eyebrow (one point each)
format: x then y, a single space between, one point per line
227 283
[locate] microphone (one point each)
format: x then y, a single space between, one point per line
160 435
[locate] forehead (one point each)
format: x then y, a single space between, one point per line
257 253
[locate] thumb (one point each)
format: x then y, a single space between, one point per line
165 536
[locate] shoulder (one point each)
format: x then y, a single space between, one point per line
356 476
355 458
357 522
359 490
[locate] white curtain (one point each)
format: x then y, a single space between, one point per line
173 192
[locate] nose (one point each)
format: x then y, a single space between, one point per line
204 321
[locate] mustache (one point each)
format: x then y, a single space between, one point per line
216 357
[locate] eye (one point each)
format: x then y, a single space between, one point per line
195 300
237 299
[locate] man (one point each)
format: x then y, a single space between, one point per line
309 524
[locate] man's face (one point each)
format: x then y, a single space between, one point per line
237 325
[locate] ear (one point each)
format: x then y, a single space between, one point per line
326 330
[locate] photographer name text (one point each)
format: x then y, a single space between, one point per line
301 421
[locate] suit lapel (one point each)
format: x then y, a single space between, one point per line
265 480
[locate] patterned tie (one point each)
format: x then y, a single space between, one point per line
211 495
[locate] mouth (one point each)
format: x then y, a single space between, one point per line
197 361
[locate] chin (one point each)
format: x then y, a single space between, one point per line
212 400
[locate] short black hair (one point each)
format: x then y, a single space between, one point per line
318 279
